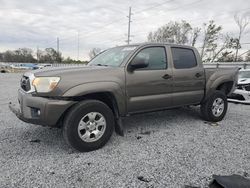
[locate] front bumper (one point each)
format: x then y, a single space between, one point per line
39 110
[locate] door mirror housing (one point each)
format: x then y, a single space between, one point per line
138 63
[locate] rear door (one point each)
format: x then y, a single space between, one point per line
188 77
150 88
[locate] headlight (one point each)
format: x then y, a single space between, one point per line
45 84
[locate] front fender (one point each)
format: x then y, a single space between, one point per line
98 87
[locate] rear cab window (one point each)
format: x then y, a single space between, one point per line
183 58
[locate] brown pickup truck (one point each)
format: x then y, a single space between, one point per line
88 102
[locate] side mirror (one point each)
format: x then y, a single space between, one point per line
138 63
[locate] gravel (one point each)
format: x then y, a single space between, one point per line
173 148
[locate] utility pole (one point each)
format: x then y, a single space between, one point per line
78 45
129 22
57 41
37 54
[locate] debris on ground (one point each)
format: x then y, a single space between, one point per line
138 137
35 140
145 133
233 181
211 123
141 178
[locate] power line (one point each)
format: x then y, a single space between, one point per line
170 9
143 10
145 32
154 6
221 14
98 29
148 8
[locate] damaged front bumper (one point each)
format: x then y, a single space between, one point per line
39 110
17 112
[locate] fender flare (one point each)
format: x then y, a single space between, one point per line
213 84
100 87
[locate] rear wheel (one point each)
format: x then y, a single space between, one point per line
215 107
88 125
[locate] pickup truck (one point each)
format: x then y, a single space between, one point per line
89 102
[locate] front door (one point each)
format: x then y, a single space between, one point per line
150 88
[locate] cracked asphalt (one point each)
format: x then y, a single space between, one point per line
173 148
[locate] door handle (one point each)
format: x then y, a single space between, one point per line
166 76
197 75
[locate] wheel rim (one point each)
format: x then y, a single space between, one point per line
218 107
91 127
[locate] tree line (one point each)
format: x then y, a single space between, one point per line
49 55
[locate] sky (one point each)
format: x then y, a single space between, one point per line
104 24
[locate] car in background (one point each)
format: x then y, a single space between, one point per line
242 92
4 68
25 66
41 66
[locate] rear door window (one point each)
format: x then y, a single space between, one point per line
183 58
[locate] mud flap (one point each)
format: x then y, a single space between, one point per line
119 127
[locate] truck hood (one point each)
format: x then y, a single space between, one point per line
74 76
60 71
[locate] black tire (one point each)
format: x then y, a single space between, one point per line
207 107
73 117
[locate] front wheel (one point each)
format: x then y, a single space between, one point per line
215 107
88 125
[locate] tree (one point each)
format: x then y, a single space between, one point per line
19 55
94 52
195 35
9 56
24 55
227 43
49 55
226 56
68 60
172 32
211 36
242 21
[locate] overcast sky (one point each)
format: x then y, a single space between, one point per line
103 24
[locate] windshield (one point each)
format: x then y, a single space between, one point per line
112 57
244 74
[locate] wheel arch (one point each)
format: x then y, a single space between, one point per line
106 97
226 85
